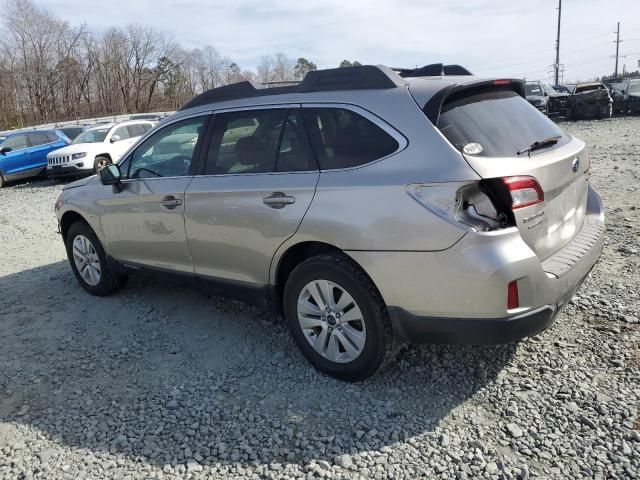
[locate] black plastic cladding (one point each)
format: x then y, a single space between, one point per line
366 77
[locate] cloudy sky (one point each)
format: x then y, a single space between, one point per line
490 37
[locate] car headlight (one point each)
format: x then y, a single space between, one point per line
76 156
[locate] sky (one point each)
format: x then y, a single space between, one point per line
510 38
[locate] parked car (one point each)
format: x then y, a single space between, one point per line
366 221
627 96
557 101
537 96
590 100
24 154
95 148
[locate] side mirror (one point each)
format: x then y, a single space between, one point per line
115 138
5 150
546 94
110 175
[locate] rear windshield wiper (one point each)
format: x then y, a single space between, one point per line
537 145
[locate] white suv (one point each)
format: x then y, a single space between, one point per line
96 148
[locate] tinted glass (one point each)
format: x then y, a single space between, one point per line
295 154
134 130
145 127
245 142
40 138
122 133
588 88
532 89
17 142
71 132
342 138
501 122
92 136
169 152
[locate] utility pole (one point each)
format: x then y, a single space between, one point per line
617 32
557 64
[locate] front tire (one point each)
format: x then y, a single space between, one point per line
96 274
337 317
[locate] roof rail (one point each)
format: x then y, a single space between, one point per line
365 77
433 70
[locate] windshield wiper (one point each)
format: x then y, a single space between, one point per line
537 145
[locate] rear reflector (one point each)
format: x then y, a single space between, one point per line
512 295
525 191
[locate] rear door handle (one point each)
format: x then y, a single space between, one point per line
170 202
278 200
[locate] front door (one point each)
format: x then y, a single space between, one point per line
143 223
16 161
256 185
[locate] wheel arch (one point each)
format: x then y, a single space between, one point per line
106 154
292 257
69 218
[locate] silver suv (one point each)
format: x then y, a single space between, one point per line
370 207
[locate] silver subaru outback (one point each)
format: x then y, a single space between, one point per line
370 206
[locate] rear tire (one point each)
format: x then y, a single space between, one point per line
95 272
1 181
100 162
352 338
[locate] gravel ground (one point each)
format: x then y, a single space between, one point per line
163 381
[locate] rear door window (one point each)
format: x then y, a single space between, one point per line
122 133
495 123
37 139
342 138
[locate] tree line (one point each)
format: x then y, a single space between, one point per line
52 71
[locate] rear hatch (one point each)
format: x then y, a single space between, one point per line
591 95
492 125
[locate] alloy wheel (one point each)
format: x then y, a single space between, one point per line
86 260
331 321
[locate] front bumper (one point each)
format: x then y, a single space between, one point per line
68 171
459 295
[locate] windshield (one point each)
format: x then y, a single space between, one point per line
495 124
92 136
532 89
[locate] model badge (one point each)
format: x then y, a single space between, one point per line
575 164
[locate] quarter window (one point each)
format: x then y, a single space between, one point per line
169 152
342 138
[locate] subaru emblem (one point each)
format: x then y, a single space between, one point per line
575 164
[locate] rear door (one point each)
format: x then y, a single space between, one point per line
17 160
259 179
40 144
490 126
144 222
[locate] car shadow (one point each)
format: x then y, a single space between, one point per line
39 181
164 374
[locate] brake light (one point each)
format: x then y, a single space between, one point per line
524 191
501 82
513 301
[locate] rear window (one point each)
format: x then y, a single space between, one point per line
495 124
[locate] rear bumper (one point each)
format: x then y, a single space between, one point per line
459 295
67 171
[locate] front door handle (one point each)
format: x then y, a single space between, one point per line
278 200
170 202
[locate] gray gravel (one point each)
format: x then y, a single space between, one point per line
163 381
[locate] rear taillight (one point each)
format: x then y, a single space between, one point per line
502 82
524 191
513 300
